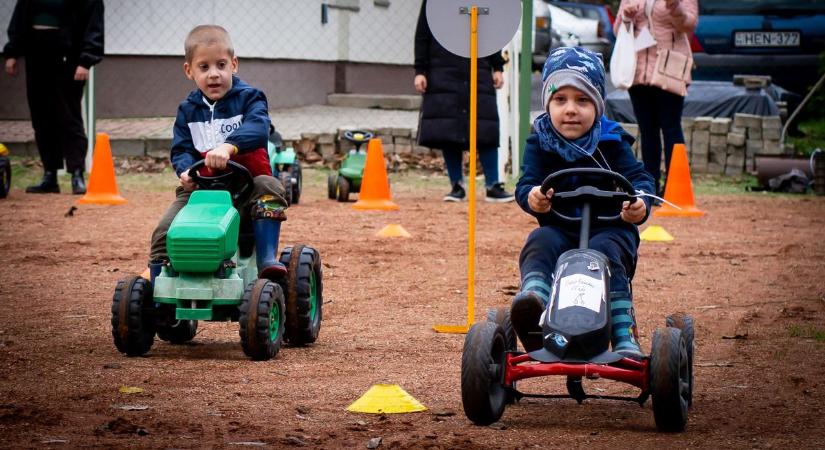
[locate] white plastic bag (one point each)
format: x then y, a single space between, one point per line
623 60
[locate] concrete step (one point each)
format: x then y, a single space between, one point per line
376 101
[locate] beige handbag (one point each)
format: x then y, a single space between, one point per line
672 71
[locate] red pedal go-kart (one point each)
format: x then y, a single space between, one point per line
576 328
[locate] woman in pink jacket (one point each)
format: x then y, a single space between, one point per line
662 74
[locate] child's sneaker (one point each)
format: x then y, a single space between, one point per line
457 194
525 313
496 193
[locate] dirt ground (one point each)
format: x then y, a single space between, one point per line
751 272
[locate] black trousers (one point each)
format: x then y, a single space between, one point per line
54 102
659 114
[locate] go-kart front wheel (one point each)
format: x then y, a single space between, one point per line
501 316
133 327
669 379
262 319
303 290
483 396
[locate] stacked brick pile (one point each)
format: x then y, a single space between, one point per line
722 146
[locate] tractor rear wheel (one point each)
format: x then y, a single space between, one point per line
133 327
669 384
286 182
262 319
5 176
304 290
483 395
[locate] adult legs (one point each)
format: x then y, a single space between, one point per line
643 99
670 118
43 65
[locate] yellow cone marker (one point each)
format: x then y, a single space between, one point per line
655 233
386 399
393 230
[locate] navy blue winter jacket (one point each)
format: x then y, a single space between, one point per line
614 144
240 118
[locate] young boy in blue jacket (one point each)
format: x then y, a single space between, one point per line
223 119
573 133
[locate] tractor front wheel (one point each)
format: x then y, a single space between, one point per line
297 182
262 319
342 193
178 331
133 327
332 186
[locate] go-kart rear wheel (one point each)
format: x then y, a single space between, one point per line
178 331
133 326
342 193
482 369
286 182
332 186
297 182
669 383
684 322
304 289
262 319
501 316
5 176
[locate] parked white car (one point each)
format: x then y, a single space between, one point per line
571 30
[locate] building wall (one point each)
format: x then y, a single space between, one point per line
283 47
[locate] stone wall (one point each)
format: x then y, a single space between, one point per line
724 146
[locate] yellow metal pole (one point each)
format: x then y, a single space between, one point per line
471 226
471 186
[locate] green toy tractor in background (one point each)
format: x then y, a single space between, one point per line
348 177
5 171
212 275
285 166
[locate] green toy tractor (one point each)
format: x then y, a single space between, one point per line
5 171
212 275
348 177
285 166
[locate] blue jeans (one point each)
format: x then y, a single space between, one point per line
453 159
659 113
545 244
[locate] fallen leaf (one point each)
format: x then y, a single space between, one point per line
130 390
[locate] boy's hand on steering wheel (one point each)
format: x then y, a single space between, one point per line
186 181
217 157
539 202
634 213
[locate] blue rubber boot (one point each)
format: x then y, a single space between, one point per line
623 334
154 271
267 234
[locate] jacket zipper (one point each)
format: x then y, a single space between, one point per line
212 140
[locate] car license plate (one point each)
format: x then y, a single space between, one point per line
766 39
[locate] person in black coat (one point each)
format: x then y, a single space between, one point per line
60 40
444 80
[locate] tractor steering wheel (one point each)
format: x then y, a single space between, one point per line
625 191
237 180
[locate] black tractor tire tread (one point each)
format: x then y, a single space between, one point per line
5 176
665 383
342 193
301 328
286 181
482 396
133 327
332 186
259 297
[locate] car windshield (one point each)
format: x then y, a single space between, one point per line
761 7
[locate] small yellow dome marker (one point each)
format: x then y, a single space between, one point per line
386 399
393 230
655 233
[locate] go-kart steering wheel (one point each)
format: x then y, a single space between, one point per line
237 180
584 193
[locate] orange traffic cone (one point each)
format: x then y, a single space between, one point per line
102 188
679 188
375 187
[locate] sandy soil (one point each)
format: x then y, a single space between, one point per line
751 273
